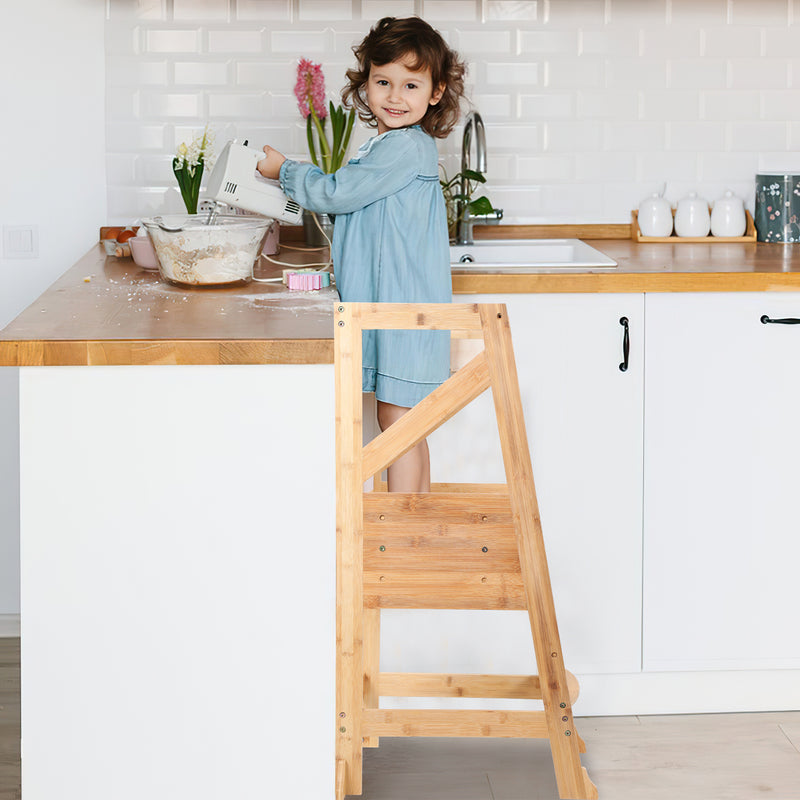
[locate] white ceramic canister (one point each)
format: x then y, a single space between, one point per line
655 216
691 217
728 217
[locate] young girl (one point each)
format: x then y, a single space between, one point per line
390 241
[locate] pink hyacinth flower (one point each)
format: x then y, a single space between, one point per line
310 89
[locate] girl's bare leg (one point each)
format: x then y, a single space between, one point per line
411 472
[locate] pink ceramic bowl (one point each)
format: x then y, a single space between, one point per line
142 252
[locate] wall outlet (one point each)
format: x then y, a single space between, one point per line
20 241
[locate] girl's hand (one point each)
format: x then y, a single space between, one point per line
270 165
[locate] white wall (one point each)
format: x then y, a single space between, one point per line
52 163
589 104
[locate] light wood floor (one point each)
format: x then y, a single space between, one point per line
692 757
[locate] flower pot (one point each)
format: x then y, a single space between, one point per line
313 235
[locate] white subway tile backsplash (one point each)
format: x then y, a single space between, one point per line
698 73
514 137
574 73
172 41
531 43
484 41
759 73
157 105
573 137
280 76
238 42
732 105
699 12
333 10
660 166
620 166
575 12
253 10
546 106
511 9
696 136
373 10
200 10
493 106
672 41
512 74
598 99
782 105
155 170
531 169
633 137
720 42
618 42
136 9
202 73
450 10
229 105
744 136
763 12
671 104
134 137
125 71
649 12
728 168
635 73
298 42
619 105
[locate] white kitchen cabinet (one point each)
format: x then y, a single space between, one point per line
584 423
722 482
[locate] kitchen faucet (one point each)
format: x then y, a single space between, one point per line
465 220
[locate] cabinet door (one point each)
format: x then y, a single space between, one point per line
584 423
722 482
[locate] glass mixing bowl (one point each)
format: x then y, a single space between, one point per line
193 253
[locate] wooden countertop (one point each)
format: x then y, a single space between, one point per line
125 315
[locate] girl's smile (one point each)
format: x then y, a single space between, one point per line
398 95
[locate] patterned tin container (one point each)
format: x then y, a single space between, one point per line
777 214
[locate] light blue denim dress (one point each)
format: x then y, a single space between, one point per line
390 245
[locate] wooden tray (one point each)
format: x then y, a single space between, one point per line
638 236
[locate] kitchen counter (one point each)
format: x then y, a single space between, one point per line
107 311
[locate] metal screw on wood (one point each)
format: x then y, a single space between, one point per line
342 730
341 323
484 549
340 309
342 714
567 733
382 548
563 705
564 719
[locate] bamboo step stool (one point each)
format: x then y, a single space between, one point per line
462 546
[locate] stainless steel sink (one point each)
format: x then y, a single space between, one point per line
528 255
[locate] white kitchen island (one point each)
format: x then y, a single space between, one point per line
178 543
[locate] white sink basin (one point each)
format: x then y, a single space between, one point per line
528 255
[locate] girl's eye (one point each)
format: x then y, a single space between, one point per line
411 86
382 82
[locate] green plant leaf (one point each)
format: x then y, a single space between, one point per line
470 174
481 206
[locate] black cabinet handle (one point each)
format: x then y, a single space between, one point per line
785 321
626 344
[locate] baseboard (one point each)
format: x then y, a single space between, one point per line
9 626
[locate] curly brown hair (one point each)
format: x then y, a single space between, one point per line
391 39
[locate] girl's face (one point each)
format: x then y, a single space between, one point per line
399 96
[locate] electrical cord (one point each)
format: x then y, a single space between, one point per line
324 267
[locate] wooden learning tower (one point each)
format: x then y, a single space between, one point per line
429 551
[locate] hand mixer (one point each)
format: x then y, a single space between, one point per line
235 181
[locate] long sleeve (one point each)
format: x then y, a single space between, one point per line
389 166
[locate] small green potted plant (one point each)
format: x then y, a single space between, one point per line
459 204
189 164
